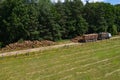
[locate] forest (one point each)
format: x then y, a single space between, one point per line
46 20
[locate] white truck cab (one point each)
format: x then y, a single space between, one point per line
109 35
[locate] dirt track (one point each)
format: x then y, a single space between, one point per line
40 49
35 49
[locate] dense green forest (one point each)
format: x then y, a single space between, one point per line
43 19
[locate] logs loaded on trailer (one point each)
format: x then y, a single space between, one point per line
95 37
89 37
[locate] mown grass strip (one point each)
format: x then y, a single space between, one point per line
90 61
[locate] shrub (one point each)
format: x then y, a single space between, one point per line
1 44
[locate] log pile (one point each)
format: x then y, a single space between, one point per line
76 39
27 45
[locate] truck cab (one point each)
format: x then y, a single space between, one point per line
104 35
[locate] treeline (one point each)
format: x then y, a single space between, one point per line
42 19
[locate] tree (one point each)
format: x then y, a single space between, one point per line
49 26
81 26
99 16
62 18
102 25
117 17
89 14
32 22
11 26
113 29
76 25
21 22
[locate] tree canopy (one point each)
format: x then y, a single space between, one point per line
42 19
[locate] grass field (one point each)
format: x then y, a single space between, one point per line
89 61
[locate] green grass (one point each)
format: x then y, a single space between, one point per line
63 41
89 61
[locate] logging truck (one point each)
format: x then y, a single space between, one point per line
95 37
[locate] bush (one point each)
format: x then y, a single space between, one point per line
113 29
1 44
21 40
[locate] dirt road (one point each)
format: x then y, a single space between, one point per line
41 48
35 49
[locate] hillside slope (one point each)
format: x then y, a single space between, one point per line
90 61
